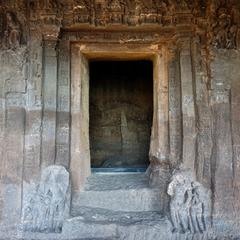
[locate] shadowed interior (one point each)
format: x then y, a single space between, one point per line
121 109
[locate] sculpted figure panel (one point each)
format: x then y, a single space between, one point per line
12 32
224 20
189 205
46 205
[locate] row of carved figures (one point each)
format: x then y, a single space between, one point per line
224 19
116 5
126 11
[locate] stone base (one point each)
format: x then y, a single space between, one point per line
114 207
120 225
102 224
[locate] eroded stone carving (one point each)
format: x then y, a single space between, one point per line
11 37
46 204
190 203
224 18
127 12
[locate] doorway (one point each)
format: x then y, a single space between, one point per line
120 111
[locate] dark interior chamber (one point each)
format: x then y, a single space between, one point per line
121 109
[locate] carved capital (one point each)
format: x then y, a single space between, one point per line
172 51
184 44
50 33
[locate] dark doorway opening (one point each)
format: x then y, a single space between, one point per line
121 110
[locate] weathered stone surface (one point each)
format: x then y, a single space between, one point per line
124 192
80 150
45 49
33 121
175 111
49 103
120 225
190 204
63 106
46 205
188 106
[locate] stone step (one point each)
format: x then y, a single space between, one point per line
107 224
118 192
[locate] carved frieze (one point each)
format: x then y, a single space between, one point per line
107 12
219 20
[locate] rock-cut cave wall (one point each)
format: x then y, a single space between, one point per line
202 39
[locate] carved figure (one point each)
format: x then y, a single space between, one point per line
82 12
44 210
182 4
49 4
101 17
178 190
225 27
232 37
189 206
197 210
12 33
116 11
171 6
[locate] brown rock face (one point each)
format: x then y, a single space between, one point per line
174 102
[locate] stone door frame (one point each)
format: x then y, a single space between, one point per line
81 53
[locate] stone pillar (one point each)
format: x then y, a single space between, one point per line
159 148
175 109
63 105
2 132
222 162
188 106
49 102
14 155
13 77
235 115
200 61
80 150
33 131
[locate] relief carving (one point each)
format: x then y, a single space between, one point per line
129 12
11 31
224 20
82 11
116 9
46 205
189 205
